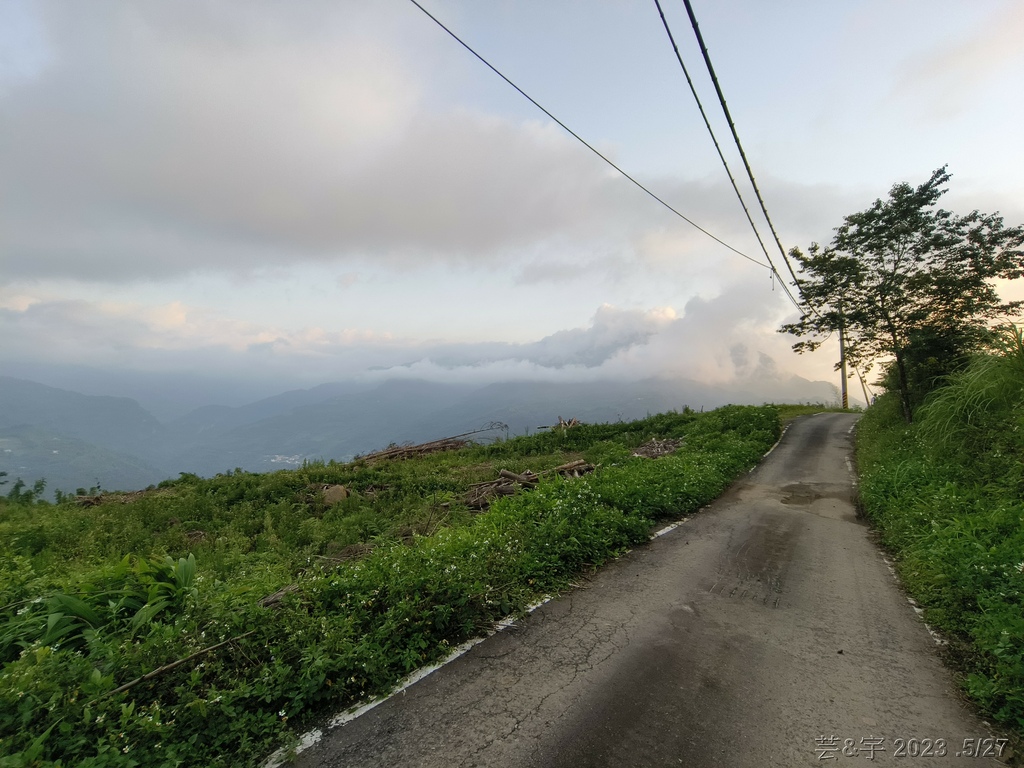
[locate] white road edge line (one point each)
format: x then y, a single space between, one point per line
782 434
308 739
939 639
669 528
854 480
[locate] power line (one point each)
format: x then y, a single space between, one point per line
736 137
753 182
725 164
711 131
585 143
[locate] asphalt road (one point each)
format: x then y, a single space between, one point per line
764 631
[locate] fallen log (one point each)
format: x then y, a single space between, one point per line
528 478
398 452
123 497
508 483
168 667
274 600
453 443
573 468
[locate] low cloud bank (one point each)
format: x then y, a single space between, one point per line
728 339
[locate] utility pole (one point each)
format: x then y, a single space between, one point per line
842 365
863 386
842 356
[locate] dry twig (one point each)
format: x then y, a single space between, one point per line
168 667
434 446
654 448
508 483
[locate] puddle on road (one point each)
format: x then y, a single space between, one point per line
824 500
799 494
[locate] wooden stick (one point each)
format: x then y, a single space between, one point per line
578 464
525 479
167 668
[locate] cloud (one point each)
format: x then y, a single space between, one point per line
120 333
132 336
162 140
611 332
23 49
946 79
167 139
722 338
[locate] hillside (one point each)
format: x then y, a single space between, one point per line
332 421
202 622
945 493
116 423
68 463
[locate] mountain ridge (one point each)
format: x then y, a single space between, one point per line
332 421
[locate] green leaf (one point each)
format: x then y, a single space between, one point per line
75 607
148 612
185 572
35 749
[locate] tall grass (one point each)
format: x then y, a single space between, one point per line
946 494
977 420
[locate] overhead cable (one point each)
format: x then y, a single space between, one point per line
585 143
736 137
725 164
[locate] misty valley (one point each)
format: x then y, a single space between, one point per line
76 441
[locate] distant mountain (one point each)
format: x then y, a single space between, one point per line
401 411
526 406
116 423
67 463
216 419
73 440
167 394
334 428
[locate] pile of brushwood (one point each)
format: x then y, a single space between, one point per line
947 493
480 495
207 621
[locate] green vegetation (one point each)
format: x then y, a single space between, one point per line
910 283
205 622
915 287
947 494
67 462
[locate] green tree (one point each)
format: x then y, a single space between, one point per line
18 495
911 285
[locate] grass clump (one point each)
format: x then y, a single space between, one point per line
946 494
205 622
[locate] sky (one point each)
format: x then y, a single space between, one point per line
274 195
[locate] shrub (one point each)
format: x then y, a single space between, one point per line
245 618
945 493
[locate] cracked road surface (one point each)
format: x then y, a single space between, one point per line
766 621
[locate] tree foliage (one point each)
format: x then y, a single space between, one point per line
910 285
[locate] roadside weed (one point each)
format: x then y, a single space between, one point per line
945 493
205 622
